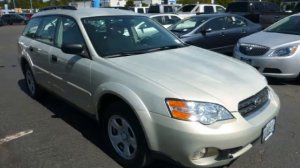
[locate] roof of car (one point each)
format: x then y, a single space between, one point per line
86 12
214 15
159 14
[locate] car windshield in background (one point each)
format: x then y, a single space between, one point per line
289 25
115 36
188 25
237 7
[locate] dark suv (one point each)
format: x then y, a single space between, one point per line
14 18
265 13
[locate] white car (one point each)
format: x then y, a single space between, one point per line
191 10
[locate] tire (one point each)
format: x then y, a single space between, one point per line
124 136
32 87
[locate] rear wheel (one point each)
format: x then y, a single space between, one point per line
124 136
33 89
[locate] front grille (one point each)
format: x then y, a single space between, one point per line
253 103
253 49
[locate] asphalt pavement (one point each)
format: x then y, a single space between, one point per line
52 134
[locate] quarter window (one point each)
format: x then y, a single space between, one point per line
47 30
68 32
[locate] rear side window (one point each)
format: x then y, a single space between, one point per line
168 9
47 30
208 9
220 9
235 22
32 27
154 9
186 8
159 19
171 19
140 10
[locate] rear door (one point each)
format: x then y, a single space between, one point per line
40 49
72 70
235 28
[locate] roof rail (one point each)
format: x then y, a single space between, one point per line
58 7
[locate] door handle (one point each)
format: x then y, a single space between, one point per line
31 49
222 34
244 31
53 58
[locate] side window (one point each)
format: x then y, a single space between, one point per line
215 24
68 32
220 9
159 19
171 19
168 9
47 30
208 9
140 10
235 22
32 27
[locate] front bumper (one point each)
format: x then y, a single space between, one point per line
179 140
279 67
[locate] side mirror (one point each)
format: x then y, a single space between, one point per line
72 48
205 31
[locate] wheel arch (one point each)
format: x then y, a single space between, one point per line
110 92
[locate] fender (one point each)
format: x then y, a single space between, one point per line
133 100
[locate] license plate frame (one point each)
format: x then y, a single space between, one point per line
268 130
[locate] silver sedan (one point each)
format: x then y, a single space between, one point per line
274 51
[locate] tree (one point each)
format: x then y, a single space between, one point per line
129 3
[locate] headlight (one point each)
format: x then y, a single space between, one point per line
284 51
205 113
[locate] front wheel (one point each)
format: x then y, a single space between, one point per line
124 135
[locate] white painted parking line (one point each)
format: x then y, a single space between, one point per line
15 136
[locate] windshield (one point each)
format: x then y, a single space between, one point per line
288 25
188 25
114 36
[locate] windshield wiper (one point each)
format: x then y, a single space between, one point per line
123 54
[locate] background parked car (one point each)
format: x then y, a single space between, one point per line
217 32
140 9
159 8
290 6
165 19
275 51
1 21
265 13
191 10
14 18
27 16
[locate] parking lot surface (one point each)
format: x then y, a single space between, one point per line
52 134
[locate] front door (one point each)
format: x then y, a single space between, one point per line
74 70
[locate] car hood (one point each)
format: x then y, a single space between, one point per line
269 39
196 74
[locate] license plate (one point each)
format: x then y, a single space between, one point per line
268 130
246 60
